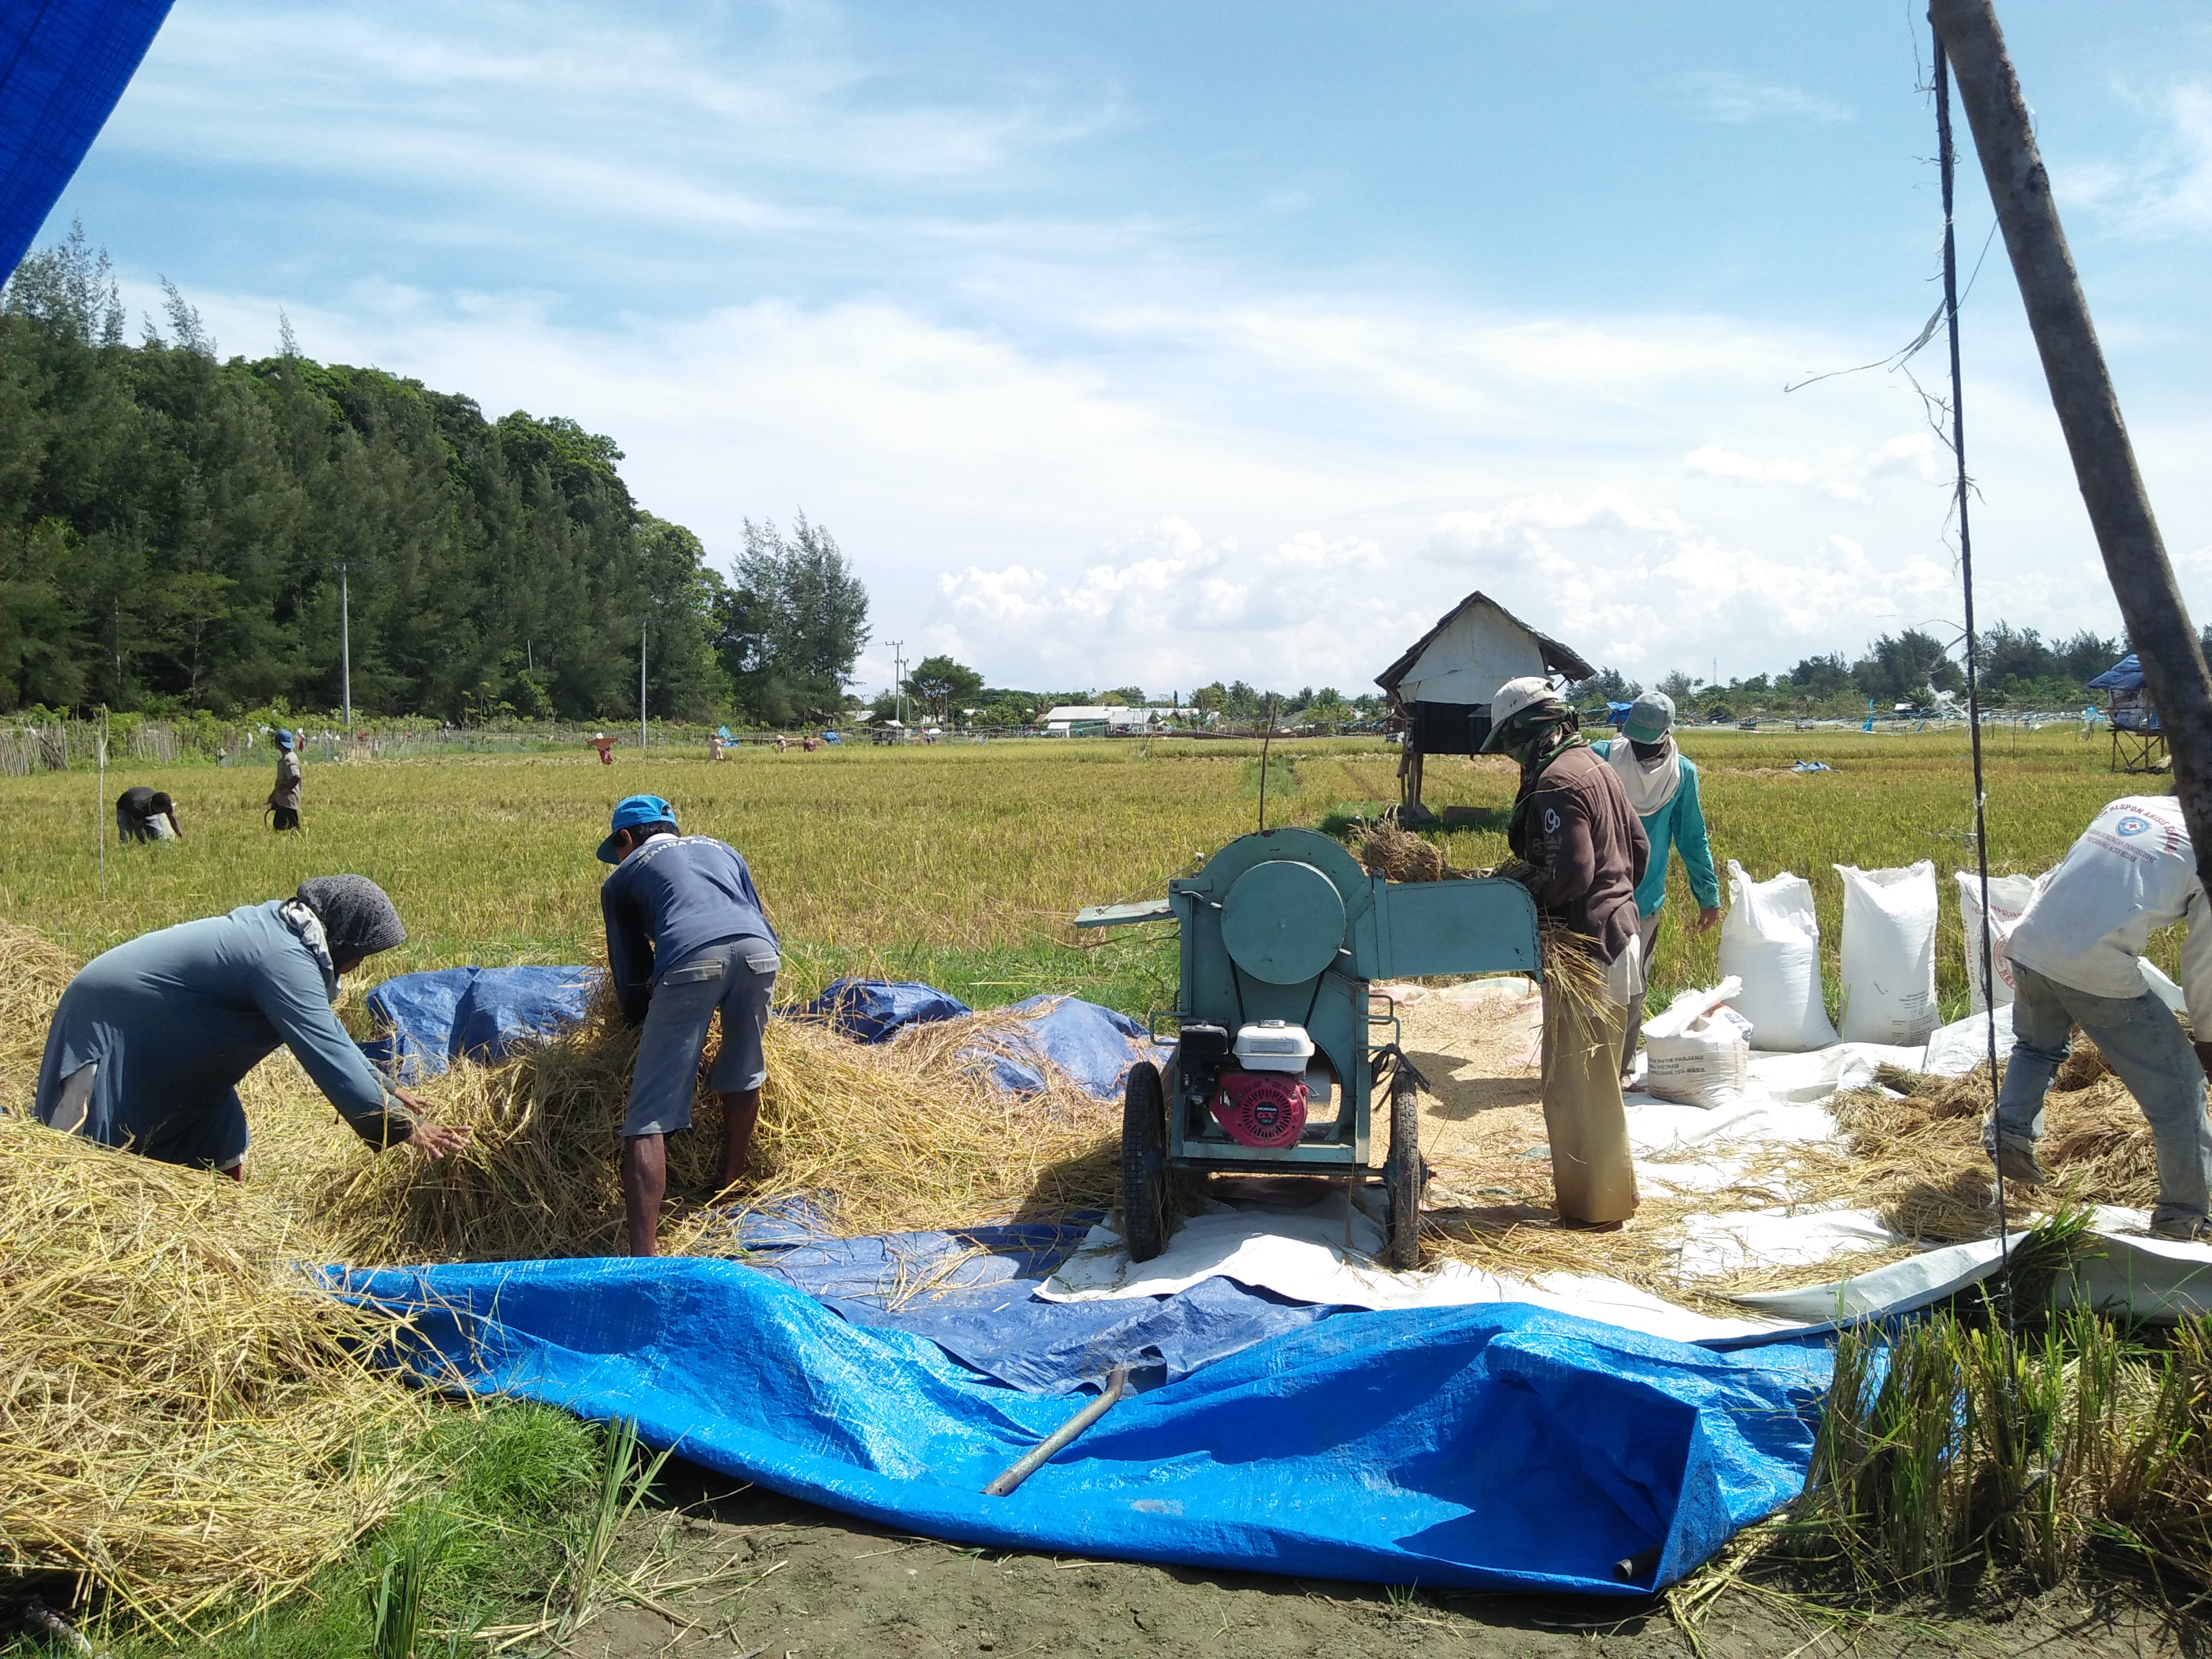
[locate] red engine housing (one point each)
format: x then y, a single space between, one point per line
1261 1108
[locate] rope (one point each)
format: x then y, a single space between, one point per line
1949 159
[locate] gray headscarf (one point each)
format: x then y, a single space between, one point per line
357 917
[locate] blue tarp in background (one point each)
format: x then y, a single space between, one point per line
426 1021
63 64
1497 1447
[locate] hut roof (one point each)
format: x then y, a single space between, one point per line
1558 659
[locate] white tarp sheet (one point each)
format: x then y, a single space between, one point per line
1325 1253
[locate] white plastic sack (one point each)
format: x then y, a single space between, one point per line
1697 1053
2160 987
2009 901
1771 942
1889 954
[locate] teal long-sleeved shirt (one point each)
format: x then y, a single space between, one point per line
1679 823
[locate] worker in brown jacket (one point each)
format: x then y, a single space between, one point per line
1580 851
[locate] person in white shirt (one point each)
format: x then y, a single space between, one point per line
2077 960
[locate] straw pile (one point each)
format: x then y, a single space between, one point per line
1390 850
36 973
182 1418
906 1134
1924 1150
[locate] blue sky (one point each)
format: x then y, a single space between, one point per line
1161 343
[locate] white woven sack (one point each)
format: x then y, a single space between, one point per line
1770 941
2009 901
1696 1052
1889 954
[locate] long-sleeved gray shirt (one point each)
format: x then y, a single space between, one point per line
174 1019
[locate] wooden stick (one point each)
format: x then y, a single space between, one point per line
1116 1380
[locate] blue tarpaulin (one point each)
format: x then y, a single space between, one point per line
972 1291
2126 675
876 1009
426 1021
1495 1447
63 64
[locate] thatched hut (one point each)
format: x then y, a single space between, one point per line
1440 688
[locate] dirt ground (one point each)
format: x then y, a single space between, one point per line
786 1580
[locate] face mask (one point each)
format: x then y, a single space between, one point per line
1647 751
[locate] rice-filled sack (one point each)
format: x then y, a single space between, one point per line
1889 954
2009 901
1771 942
1697 1053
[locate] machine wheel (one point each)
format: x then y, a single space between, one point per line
1144 1162
1403 1176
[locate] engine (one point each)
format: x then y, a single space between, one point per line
1255 1088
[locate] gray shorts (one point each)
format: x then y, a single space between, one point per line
737 976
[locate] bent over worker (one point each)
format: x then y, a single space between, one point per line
144 814
152 1038
2076 957
1582 851
686 935
1661 787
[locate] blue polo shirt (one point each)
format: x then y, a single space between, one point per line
669 900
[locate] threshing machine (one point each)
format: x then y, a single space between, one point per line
1277 1041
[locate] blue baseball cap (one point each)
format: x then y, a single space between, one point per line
283 739
631 813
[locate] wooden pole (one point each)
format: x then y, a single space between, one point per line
2088 409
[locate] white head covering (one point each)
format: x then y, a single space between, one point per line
1650 784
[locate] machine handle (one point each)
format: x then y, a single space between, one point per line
1119 915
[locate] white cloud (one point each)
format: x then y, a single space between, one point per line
1734 100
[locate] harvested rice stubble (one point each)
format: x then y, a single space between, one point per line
183 1416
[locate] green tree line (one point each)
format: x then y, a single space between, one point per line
173 528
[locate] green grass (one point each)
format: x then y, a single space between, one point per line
963 864
511 1513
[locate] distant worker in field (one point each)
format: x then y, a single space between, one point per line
2076 957
284 798
686 935
1581 853
1661 787
144 814
606 746
152 1038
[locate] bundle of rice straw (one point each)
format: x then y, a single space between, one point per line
183 1418
906 1134
1923 1151
35 973
1392 851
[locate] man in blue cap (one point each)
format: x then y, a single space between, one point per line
686 935
284 798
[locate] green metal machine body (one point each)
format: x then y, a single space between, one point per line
1284 925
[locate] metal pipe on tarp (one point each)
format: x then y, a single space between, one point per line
1116 1381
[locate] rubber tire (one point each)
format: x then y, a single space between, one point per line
1144 1162
1403 1178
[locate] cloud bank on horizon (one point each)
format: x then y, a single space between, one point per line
1163 345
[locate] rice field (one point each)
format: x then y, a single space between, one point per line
962 863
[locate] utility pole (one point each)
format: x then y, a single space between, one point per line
345 646
898 678
640 686
2089 408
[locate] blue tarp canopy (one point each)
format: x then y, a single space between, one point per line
63 64
2126 675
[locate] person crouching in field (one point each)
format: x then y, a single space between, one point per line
2076 956
151 1039
284 798
1661 787
686 935
1581 853
144 814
